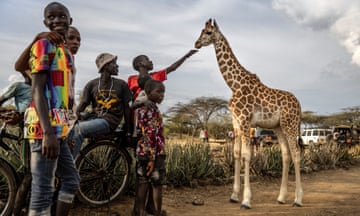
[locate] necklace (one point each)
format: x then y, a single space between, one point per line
106 99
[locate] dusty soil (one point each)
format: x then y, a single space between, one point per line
326 193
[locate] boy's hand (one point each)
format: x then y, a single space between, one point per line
149 104
50 146
150 168
54 37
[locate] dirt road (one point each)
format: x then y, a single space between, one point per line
326 193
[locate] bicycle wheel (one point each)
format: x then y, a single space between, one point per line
8 188
104 170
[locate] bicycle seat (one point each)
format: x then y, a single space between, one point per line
118 132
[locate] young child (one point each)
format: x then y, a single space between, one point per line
150 150
46 120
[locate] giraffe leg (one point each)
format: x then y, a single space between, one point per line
236 187
295 153
285 153
246 155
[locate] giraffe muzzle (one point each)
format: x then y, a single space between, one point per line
197 45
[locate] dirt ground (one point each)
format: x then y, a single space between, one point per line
326 193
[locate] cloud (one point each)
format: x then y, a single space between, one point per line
341 17
303 58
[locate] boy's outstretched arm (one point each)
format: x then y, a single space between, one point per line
175 65
22 63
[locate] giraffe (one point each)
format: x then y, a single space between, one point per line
253 104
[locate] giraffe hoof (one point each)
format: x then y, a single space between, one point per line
296 205
281 202
244 207
234 201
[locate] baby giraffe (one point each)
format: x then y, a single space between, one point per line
253 104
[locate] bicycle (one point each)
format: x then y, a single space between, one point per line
15 175
104 166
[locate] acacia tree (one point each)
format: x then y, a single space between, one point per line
310 119
178 123
349 116
197 112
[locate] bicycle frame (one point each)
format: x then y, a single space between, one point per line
12 153
15 167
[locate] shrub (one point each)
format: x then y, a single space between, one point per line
328 156
189 162
355 152
268 162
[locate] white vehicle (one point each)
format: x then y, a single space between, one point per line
314 136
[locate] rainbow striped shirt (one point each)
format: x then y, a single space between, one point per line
57 62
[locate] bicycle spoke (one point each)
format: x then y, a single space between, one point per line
90 162
89 176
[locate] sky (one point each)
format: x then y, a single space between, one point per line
308 47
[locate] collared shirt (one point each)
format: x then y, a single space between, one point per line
150 132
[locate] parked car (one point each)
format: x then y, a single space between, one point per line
267 137
311 136
346 135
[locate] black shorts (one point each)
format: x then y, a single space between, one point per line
157 177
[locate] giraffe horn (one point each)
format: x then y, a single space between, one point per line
215 24
208 22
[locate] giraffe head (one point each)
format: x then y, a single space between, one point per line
208 34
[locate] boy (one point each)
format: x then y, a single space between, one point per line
46 120
150 150
143 65
21 91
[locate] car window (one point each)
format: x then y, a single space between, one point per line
267 132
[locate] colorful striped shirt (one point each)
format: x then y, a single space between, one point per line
57 62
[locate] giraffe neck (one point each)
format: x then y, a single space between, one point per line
232 71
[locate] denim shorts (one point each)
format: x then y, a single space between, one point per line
157 177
